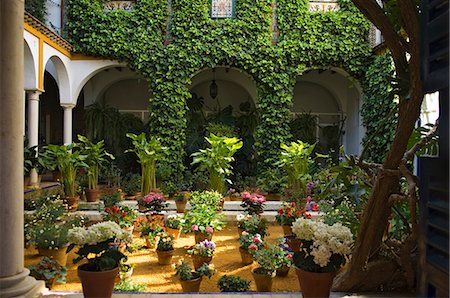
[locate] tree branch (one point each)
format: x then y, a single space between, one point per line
394 41
397 198
409 155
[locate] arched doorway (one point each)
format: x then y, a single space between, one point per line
325 111
227 109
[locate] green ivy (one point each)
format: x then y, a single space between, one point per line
37 9
307 40
379 107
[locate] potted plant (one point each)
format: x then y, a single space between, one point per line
324 250
217 160
208 198
122 215
28 156
233 283
154 202
249 242
252 224
283 257
296 161
132 185
50 271
266 257
98 246
181 199
173 225
190 280
148 152
202 253
68 160
203 221
48 229
164 249
125 271
111 174
96 156
286 215
253 203
150 232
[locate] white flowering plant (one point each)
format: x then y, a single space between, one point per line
174 221
165 242
324 248
99 245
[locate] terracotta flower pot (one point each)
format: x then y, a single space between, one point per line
263 281
287 230
72 202
58 254
97 284
149 245
283 271
246 257
293 242
313 284
92 195
181 206
165 257
175 233
192 285
157 219
200 260
199 237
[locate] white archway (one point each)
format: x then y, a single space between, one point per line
57 68
317 89
30 70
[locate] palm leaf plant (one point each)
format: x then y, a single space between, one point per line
148 152
96 156
217 159
68 160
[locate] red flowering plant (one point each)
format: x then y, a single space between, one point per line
253 203
154 202
291 211
122 215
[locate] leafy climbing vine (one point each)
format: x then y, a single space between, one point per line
307 40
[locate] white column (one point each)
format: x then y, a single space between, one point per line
33 127
14 278
67 137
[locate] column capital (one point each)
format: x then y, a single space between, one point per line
68 106
33 94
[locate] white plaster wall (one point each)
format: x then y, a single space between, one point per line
107 78
63 76
229 93
233 75
31 47
54 14
128 95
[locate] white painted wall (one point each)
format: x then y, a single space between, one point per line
54 15
31 60
63 75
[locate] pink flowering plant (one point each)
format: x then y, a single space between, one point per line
204 249
253 203
153 202
203 220
252 224
251 242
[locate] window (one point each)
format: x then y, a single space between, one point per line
221 9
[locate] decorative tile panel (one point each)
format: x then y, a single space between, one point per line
115 5
323 5
221 9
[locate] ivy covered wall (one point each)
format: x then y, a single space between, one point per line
307 40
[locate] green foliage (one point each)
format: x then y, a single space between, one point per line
128 286
131 183
378 109
233 283
96 156
217 159
148 152
207 199
37 9
307 40
431 148
296 161
184 271
48 269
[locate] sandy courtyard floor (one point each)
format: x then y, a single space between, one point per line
158 278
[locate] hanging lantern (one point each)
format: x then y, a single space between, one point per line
213 90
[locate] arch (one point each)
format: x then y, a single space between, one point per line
30 70
84 70
225 73
57 68
347 93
